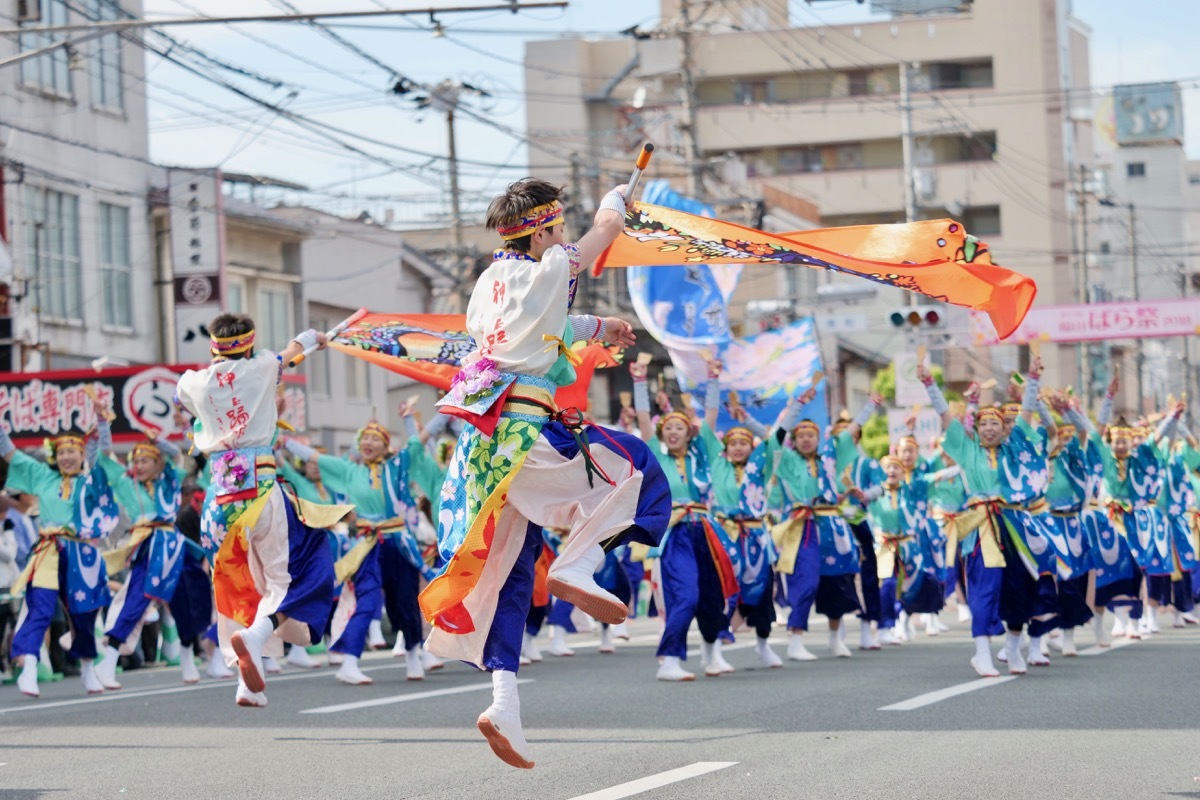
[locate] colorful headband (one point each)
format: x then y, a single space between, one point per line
1118 431
1011 409
806 425
147 448
890 459
989 411
68 440
1141 430
232 345
739 434
679 415
541 217
378 430
907 438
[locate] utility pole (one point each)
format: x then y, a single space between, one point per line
456 233
1085 366
1133 266
1187 345
689 102
910 180
444 97
911 211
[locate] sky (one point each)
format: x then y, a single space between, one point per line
197 123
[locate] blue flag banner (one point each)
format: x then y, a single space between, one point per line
765 370
684 307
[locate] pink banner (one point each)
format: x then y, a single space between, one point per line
1144 319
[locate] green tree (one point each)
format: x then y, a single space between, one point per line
875 436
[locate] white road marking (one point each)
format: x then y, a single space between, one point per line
656 781
1098 650
944 694
119 694
403 698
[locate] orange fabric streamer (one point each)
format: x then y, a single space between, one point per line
429 348
936 258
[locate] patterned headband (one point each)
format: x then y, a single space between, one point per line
541 217
232 345
378 430
147 448
68 440
739 434
989 411
679 415
806 425
1011 409
1120 431
905 439
890 459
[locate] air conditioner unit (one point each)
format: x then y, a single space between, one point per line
29 10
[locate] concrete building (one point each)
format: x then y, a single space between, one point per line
348 264
1138 248
75 176
817 114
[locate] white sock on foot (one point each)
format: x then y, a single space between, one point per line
982 660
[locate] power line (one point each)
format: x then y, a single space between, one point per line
134 24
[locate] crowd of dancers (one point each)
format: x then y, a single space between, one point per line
509 515
1030 518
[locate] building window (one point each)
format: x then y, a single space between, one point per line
235 296
982 220
49 72
978 146
749 93
107 89
52 244
860 82
275 317
1135 169
1105 248
358 385
960 75
318 368
116 273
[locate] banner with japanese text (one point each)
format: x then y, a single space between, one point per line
1141 319
38 405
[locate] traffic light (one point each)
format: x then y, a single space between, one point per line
916 317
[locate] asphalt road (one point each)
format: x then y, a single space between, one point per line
1121 723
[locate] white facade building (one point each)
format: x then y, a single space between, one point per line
73 207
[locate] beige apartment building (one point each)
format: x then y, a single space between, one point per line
811 118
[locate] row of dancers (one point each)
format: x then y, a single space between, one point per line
1082 518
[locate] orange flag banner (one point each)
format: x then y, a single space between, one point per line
430 347
935 258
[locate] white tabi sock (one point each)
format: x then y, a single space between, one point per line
261 630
